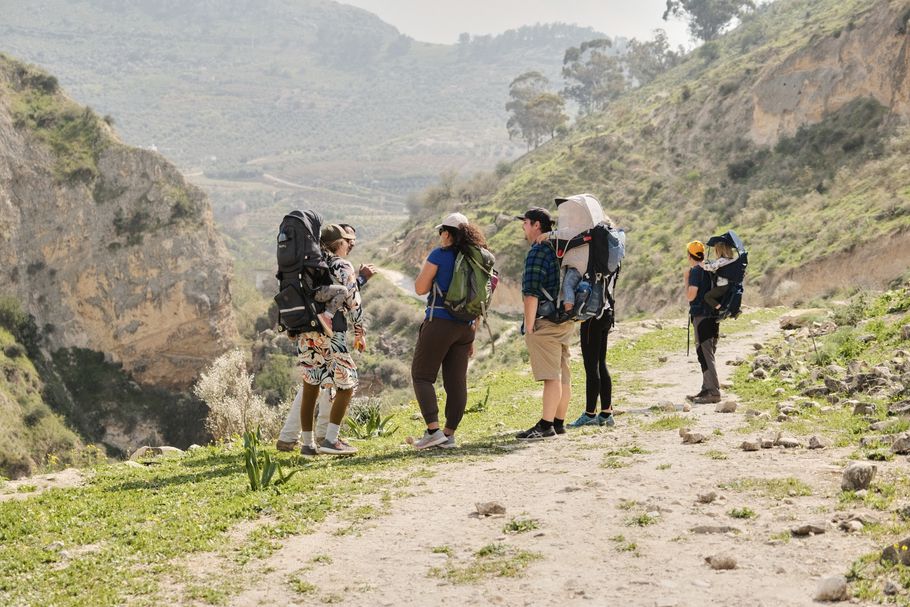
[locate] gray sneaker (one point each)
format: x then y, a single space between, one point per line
431 439
308 451
449 444
339 447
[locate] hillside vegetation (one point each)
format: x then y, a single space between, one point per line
809 177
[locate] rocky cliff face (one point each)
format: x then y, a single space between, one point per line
868 58
106 246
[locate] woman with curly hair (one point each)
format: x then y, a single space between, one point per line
443 340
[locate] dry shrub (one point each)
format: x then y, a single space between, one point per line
234 408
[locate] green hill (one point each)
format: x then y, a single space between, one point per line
790 129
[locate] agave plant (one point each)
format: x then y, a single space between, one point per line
366 421
261 471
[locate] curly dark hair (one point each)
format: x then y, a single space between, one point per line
465 236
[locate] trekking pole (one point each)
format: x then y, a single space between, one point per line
688 334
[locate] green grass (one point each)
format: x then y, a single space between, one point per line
139 521
521 525
774 488
492 560
668 422
743 513
623 545
642 520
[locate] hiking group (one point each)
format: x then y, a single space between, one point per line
569 278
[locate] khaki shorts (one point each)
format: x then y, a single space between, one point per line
548 348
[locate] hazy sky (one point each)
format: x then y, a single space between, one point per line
442 20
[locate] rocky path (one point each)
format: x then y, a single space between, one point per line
612 517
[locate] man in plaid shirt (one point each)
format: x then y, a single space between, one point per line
548 342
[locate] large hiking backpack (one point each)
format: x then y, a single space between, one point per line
735 273
301 270
594 294
472 286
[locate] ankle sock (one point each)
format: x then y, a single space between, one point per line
331 432
558 423
307 439
605 413
544 424
590 415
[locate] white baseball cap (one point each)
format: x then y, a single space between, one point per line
455 220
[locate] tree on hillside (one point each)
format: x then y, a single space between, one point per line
708 18
536 113
593 77
644 61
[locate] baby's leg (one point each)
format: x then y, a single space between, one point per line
568 288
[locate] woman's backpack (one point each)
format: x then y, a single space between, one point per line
302 268
472 286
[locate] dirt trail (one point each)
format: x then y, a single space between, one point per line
585 517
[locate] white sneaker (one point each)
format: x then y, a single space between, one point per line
431 439
449 444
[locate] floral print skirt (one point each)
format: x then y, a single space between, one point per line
326 362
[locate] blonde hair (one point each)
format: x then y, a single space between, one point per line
723 249
332 247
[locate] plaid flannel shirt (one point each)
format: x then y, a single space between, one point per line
541 272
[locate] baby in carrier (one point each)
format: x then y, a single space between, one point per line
725 256
576 214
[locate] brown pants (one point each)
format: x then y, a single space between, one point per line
442 343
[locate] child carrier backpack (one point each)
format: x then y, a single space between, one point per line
594 293
472 286
582 223
735 273
301 269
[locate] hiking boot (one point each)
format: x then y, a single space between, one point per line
606 420
286 446
535 432
325 321
584 420
430 439
308 451
692 397
449 444
706 399
339 447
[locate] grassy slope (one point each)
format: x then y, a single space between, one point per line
882 318
31 435
663 170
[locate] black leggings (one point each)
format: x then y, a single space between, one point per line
594 334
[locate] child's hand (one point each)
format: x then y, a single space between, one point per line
360 343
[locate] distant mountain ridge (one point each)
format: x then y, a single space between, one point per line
287 83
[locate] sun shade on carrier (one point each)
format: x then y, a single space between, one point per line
735 273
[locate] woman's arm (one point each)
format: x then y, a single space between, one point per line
424 281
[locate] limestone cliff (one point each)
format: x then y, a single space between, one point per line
867 58
107 246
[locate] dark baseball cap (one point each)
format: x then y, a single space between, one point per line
537 214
